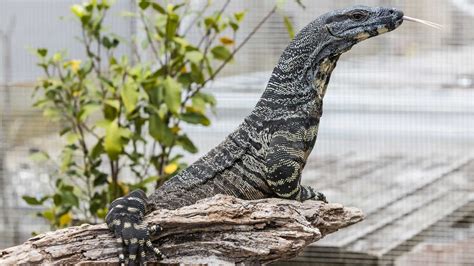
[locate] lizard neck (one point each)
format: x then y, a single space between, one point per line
322 75
288 94
299 80
302 73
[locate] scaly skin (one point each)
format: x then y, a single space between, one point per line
265 155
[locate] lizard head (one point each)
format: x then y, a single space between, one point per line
359 23
330 35
337 31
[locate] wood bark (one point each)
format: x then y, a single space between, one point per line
221 229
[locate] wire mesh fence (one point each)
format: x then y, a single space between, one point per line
395 140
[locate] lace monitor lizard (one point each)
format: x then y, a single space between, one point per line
265 155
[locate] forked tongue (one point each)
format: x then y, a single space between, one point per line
424 22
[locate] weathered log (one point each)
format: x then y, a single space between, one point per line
220 229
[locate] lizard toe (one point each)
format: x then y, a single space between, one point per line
154 230
320 196
156 251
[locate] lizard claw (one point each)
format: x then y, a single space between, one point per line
156 251
321 197
308 193
154 229
125 220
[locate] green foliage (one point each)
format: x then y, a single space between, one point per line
121 116
289 26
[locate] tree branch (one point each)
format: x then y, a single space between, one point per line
220 229
150 39
236 50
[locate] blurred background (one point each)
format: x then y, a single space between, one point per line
396 138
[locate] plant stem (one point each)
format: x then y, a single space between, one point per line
150 39
219 69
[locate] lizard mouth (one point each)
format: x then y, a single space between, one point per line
332 33
384 24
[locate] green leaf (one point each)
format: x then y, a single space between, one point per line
98 203
234 25
171 25
172 94
103 123
87 110
196 74
69 199
154 92
194 56
57 57
125 132
101 179
195 118
160 26
110 43
39 157
199 104
49 215
220 52
52 114
66 159
201 101
130 96
239 16
144 4
78 10
111 109
102 213
187 144
106 4
210 22
113 103
64 131
42 52
158 8
113 140
160 131
110 113
33 201
97 150
85 69
72 138
289 26
182 42
178 6
185 79
208 98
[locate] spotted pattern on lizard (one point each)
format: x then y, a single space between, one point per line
265 155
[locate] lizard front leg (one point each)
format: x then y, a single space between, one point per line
285 161
125 220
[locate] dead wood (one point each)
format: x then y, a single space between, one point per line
221 229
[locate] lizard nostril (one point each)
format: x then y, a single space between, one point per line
395 13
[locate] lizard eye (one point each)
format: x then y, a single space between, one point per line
358 16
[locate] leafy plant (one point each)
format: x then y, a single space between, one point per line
122 115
